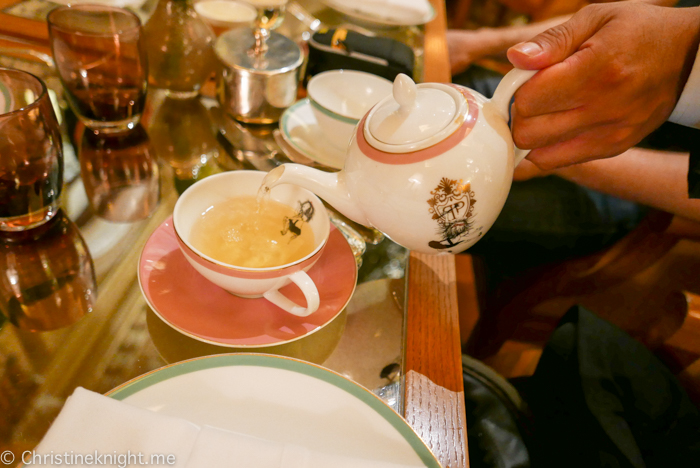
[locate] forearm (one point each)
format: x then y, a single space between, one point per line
667 3
505 37
648 177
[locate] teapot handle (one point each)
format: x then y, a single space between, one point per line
510 83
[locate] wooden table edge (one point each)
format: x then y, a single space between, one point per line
433 382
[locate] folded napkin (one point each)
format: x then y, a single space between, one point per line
92 424
407 11
117 3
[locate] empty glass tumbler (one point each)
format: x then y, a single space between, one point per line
31 158
101 59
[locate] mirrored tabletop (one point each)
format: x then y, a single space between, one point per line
73 310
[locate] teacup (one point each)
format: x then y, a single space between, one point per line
246 281
340 98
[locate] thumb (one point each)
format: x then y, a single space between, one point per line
557 43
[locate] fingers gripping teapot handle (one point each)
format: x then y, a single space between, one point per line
510 83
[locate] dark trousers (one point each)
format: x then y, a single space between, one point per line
598 398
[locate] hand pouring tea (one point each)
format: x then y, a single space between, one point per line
430 166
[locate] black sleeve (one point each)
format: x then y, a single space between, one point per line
694 171
694 166
687 3
673 137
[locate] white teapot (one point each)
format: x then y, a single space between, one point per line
430 166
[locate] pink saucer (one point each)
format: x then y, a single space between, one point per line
192 305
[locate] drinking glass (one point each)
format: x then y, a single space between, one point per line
179 45
48 279
31 157
101 59
270 12
270 16
120 174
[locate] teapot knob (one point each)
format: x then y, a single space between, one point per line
405 91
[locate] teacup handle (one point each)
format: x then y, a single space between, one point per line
510 83
308 288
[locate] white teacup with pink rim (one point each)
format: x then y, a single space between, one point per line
303 220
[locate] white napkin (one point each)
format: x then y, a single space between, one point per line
117 3
92 424
404 11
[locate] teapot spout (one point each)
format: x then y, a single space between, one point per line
331 187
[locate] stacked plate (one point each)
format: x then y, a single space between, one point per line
284 401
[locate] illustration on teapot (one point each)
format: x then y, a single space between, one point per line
452 206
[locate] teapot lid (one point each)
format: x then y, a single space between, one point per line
415 116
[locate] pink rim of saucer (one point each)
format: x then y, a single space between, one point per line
428 153
195 307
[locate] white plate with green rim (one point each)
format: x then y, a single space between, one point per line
282 400
300 130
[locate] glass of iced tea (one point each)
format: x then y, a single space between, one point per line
31 158
100 57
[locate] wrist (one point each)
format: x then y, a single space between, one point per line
574 172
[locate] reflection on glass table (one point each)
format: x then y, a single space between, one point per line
184 137
122 338
120 174
48 279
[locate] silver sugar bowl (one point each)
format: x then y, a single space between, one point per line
259 73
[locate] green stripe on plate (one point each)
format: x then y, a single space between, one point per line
332 114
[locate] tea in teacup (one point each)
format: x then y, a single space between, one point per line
246 232
290 218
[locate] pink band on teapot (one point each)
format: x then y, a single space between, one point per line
428 153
